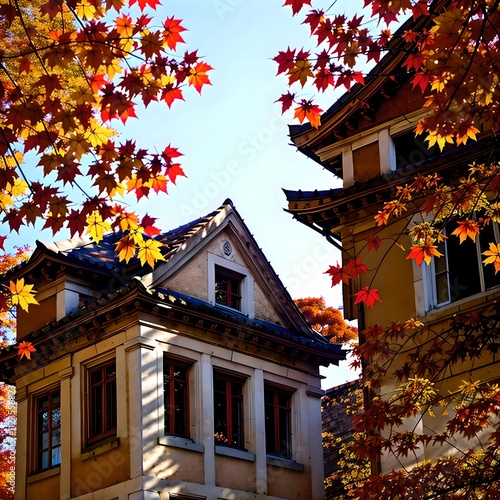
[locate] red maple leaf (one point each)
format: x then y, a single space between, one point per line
373 243
286 101
420 9
338 274
170 94
175 170
2 241
285 60
367 296
355 267
297 5
144 3
76 222
147 223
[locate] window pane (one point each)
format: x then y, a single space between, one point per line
463 268
48 422
56 456
175 393
278 422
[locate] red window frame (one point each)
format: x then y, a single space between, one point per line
101 402
176 397
228 410
278 416
228 286
48 430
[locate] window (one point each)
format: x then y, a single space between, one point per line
278 422
228 287
48 430
228 410
101 402
176 397
460 273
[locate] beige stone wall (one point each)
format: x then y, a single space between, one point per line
289 484
192 279
234 473
177 464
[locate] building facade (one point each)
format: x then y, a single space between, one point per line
367 139
196 380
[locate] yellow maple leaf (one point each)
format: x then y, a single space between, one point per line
22 294
85 10
149 251
300 72
98 134
96 227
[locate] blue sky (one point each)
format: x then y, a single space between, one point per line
235 142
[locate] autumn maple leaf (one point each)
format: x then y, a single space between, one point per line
355 267
373 243
367 296
172 32
296 5
466 229
308 110
424 252
126 247
96 226
198 76
493 256
25 349
338 274
286 101
22 294
149 252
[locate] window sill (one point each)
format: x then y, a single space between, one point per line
181 442
235 453
99 448
285 463
44 474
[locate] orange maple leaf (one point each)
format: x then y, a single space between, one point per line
424 252
172 32
25 349
126 247
308 110
368 296
198 76
466 228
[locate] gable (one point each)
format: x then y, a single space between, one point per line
197 277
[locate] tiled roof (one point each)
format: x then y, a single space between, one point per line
103 255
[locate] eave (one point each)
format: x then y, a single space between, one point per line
98 321
329 211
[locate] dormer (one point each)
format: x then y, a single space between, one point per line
57 299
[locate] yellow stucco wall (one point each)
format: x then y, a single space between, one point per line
234 473
44 488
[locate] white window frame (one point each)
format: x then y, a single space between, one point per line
247 284
429 273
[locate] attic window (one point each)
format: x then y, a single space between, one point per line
230 284
228 287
